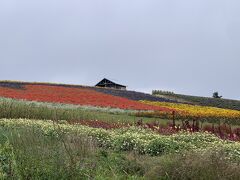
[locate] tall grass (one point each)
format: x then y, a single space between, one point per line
208 165
26 153
10 108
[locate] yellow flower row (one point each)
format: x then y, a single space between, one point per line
195 111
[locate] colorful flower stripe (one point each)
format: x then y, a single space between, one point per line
80 96
204 112
223 132
137 139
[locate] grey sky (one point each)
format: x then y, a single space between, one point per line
187 46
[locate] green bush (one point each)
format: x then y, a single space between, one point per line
204 165
160 146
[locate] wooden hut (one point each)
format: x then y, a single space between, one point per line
110 84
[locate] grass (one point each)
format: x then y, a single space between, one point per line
15 109
191 165
43 149
134 139
28 153
10 108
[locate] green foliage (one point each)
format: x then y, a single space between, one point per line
215 95
10 108
43 150
160 146
210 164
156 92
130 139
28 153
6 161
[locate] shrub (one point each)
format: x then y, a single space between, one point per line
160 146
193 165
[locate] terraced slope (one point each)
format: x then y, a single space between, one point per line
73 94
132 95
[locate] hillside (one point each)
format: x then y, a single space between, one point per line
60 131
79 95
132 95
198 100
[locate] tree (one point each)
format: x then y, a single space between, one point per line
216 95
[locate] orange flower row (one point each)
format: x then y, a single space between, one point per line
79 96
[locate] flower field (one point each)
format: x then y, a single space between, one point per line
78 96
133 139
131 95
203 113
198 100
223 132
43 149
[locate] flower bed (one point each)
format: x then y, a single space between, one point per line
194 112
222 132
137 139
79 96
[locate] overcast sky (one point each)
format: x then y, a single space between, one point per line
185 46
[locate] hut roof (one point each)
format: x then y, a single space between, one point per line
106 82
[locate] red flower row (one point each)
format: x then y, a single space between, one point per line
79 96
